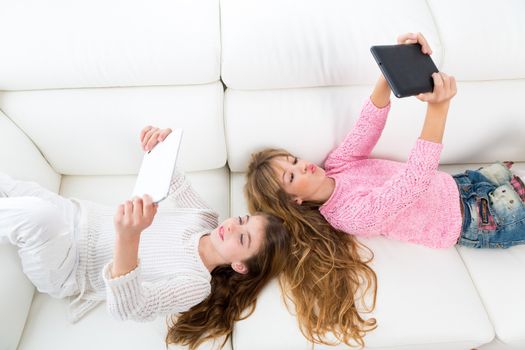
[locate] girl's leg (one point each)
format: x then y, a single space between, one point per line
13 188
43 231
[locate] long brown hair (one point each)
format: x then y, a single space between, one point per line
326 277
233 295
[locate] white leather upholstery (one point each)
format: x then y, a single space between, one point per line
95 331
310 122
286 44
102 125
482 41
17 296
79 79
76 44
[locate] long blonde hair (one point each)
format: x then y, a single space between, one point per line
233 295
327 278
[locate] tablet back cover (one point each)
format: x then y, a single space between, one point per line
157 168
407 70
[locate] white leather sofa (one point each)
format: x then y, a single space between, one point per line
78 80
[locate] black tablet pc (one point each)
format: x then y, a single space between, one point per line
407 69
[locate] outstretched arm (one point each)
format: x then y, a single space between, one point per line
381 94
437 109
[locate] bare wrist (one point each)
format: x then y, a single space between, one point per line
438 110
439 106
127 240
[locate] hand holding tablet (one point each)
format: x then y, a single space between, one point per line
407 67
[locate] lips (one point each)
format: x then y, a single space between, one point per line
221 233
312 167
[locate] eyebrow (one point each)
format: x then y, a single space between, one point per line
248 233
284 171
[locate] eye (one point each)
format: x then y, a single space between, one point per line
240 220
241 239
291 177
294 161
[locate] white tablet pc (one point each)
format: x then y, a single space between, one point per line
157 168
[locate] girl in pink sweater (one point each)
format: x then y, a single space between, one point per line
410 201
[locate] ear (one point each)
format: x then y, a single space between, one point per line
298 201
239 267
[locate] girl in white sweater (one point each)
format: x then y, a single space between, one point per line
144 260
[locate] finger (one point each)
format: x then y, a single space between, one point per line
401 39
147 137
119 213
437 93
424 97
446 81
154 139
150 209
137 209
164 133
438 80
425 47
144 131
128 209
453 86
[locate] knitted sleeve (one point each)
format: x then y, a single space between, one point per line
370 208
183 195
130 298
362 138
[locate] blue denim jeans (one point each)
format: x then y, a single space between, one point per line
494 211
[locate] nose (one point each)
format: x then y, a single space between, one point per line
303 166
232 225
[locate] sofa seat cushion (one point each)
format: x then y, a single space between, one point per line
47 325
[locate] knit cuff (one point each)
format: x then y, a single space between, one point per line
427 153
130 278
371 108
429 147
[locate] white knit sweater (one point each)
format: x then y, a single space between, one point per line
170 277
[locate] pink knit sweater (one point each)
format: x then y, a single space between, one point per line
410 201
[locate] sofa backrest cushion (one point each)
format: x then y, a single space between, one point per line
73 44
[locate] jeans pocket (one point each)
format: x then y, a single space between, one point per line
506 205
496 173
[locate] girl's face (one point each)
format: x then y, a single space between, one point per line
239 238
300 179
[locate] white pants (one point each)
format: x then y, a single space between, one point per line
42 225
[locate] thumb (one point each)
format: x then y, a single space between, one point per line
423 97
